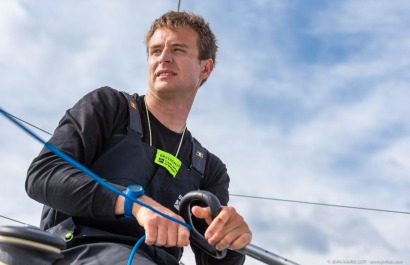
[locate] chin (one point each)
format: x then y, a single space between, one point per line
164 89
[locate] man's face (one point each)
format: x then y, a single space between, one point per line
173 64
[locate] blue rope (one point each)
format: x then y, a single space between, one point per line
94 176
134 249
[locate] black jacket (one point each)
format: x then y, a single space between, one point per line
96 132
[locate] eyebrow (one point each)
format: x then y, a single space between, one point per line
180 45
173 45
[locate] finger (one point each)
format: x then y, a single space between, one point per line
183 236
162 234
151 232
217 229
232 230
235 239
242 241
202 213
177 235
172 235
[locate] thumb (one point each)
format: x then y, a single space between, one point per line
202 213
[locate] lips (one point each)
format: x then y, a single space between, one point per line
165 73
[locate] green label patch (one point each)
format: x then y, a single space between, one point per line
168 161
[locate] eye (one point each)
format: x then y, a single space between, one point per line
179 49
155 52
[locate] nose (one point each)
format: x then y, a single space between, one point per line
166 56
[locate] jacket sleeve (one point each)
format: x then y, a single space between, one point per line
82 133
215 180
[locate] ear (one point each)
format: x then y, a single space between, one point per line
207 66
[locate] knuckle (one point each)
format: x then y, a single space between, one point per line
153 219
230 210
217 237
224 243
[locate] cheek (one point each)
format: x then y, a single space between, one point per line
152 62
151 69
194 70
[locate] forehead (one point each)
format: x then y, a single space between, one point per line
183 35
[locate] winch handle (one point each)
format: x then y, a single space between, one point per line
198 239
185 211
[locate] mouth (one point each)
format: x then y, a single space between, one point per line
165 73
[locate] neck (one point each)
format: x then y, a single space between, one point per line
171 112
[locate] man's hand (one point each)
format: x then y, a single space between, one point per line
161 231
228 229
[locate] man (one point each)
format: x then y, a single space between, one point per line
126 139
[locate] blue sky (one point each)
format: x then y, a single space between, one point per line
308 101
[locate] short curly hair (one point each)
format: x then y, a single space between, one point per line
173 20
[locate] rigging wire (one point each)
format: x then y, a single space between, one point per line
32 125
263 198
14 220
320 204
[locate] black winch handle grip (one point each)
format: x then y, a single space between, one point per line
185 211
197 238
